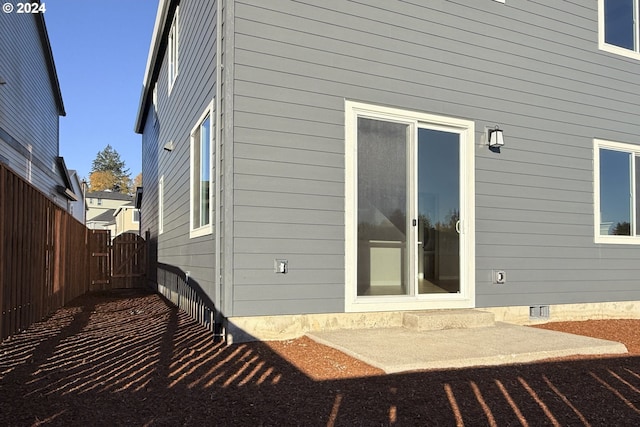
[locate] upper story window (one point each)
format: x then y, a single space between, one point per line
617 192
618 30
202 182
155 104
173 49
136 216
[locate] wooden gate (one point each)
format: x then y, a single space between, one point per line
128 261
119 263
100 263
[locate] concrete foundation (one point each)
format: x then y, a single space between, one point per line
275 328
569 312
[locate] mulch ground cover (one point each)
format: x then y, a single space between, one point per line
132 359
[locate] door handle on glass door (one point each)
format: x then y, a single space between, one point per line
458 226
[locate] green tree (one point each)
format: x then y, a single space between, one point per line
108 162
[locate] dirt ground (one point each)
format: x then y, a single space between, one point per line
131 359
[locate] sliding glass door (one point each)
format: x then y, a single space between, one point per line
438 203
410 207
383 205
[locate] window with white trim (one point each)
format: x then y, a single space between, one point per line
155 104
135 216
618 27
202 182
617 184
173 48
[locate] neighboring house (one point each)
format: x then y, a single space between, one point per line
105 220
122 219
344 164
78 208
108 210
98 202
127 219
30 107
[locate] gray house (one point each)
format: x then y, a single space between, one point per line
311 163
31 106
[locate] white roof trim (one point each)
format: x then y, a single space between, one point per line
154 49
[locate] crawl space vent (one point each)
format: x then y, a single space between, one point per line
539 312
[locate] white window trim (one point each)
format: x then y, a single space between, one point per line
602 45
29 165
155 104
207 229
173 51
617 146
133 216
466 299
161 205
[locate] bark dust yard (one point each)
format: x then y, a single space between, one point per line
133 360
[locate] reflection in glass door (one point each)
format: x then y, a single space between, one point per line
382 208
408 209
438 211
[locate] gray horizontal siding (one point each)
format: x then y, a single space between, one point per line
304 201
532 67
309 281
178 112
287 185
372 46
305 262
276 231
292 305
28 109
289 169
544 252
291 245
150 177
289 216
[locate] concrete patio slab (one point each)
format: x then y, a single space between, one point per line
401 349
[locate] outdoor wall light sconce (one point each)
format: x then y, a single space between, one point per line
168 146
495 138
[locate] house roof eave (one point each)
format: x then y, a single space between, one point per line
51 66
66 189
154 60
109 195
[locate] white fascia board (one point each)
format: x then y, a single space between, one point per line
154 49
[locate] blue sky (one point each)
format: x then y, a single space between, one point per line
100 50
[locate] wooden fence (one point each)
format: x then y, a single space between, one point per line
44 258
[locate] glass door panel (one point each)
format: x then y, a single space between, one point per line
382 208
438 205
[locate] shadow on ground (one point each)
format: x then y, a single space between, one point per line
133 359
